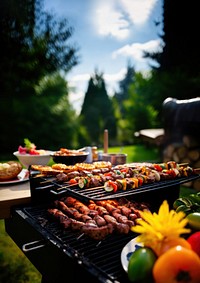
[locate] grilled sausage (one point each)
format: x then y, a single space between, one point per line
97 233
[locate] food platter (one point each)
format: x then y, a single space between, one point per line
23 176
127 251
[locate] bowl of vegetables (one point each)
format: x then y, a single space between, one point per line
30 155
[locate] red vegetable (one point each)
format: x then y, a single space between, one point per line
194 241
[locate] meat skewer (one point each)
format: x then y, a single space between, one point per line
114 181
124 177
57 169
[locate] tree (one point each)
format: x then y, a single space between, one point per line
179 63
97 111
34 45
180 30
124 84
119 106
139 112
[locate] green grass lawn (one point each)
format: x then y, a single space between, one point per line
15 267
138 153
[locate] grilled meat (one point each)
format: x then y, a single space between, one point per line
96 219
97 233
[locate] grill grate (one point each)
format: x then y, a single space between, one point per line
53 189
102 257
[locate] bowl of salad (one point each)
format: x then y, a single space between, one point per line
30 155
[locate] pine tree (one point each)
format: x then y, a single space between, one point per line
97 111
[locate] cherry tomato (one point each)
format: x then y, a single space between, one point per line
171 172
108 174
33 151
158 167
114 185
110 186
177 265
73 181
124 170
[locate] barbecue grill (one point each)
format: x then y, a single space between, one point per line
69 256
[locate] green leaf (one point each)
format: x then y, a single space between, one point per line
28 144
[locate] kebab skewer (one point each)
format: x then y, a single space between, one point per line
113 181
99 167
170 168
124 177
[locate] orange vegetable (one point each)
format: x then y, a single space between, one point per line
174 242
177 265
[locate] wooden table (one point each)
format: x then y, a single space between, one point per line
11 195
152 136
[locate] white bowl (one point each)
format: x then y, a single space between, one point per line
30 159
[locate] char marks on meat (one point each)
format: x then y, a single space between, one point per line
96 219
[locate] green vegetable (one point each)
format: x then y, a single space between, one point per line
178 202
188 204
194 220
186 209
28 144
140 265
194 198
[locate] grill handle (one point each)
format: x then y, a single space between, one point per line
33 245
45 187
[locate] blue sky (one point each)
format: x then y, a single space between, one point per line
108 34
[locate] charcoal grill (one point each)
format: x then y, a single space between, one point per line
59 254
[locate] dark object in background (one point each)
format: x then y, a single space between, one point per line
70 159
181 118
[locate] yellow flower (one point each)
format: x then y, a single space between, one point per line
157 229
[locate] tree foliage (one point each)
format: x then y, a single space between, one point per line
178 73
139 113
124 84
34 43
97 111
35 47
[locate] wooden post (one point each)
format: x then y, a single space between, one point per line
105 141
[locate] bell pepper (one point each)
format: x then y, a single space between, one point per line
110 186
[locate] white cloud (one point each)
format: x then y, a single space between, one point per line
138 10
76 97
80 78
114 18
136 50
110 21
112 80
116 76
